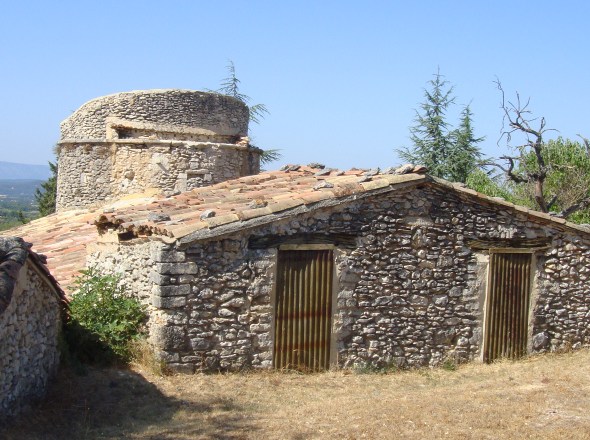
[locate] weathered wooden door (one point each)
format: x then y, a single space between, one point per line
507 306
303 309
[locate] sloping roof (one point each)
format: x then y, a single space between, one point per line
266 197
62 239
237 203
225 207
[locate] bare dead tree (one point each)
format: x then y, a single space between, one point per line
518 120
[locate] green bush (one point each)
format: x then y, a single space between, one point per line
104 319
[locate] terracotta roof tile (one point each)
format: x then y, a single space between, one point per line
375 184
62 238
222 220
235 201
265 197
316 196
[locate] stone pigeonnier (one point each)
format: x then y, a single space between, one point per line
151 141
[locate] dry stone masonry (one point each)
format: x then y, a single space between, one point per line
160 141
363 268
409 292
30 321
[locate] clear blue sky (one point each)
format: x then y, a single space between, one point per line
342 79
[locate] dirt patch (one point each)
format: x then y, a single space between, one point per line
542 397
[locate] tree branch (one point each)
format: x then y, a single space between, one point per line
586 143
581 204
552 202
517 119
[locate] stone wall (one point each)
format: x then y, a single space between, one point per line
161 141
220 315
30 324
562 306
181 109
133 262
410 293
93 173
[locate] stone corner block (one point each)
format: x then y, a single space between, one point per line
168 302
162 255
169 291
187 268
168 337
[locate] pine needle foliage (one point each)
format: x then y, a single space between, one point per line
448 153
231 86
46 196
464 153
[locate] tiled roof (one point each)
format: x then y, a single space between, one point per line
62 238
195 213
222 208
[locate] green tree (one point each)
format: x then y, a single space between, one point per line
231 86
447 153
46 196
21 217
566 187
465 154
490 184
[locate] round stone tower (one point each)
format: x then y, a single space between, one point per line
164 141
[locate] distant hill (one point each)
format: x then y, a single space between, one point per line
18 171
22 190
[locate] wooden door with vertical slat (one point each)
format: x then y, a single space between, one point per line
507 306
303 309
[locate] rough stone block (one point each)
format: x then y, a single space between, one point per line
166 291
160 255
188 268
169 338
540 341
182 368
168 302
226 313
200 344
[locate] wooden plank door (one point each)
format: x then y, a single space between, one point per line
507 306
303 309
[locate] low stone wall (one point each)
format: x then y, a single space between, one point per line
410 292
29 327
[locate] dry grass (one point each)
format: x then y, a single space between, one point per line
544 397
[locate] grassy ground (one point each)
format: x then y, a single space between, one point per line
545 397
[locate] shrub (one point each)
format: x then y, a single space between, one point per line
104 319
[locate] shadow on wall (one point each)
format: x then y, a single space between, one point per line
115 404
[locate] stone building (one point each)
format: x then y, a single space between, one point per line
163 141
317 268
31 306
325 268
